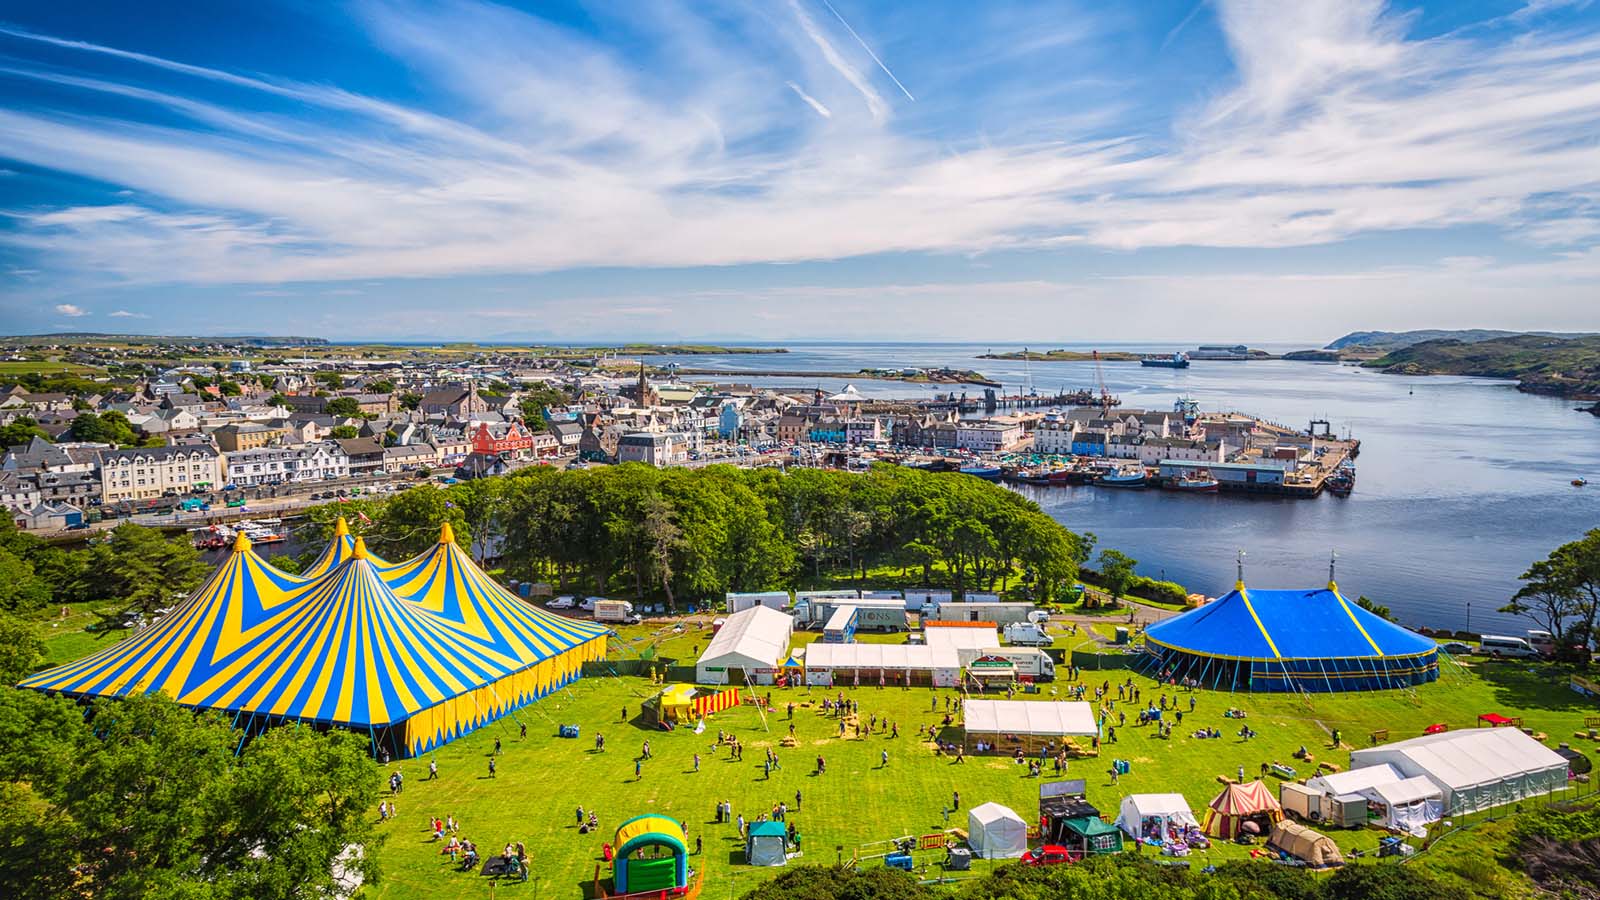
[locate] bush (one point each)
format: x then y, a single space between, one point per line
1387 881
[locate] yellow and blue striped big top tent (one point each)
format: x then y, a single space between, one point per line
414 654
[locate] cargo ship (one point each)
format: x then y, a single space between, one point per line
1178 360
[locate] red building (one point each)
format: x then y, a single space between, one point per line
511 439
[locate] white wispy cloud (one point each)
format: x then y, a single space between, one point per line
71 311
563 151
810 101
125 314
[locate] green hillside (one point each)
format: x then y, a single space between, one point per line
1567 367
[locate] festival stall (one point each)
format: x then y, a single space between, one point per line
766 844
750 645
995 832
1005 726
1163 820
1247 808
1408 805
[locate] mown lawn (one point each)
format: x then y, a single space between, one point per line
41 367
542 779
68 638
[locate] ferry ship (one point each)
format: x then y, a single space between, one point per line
1178 360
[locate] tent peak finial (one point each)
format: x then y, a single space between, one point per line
1333 557
1238 583
360 549
447 534
241 542
340 527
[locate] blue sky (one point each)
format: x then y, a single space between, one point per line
800 169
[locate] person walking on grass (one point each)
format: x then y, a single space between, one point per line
883 760
638 769
697 762
491 767
433 770
796 801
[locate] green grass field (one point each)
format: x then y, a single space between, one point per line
40 367
542 779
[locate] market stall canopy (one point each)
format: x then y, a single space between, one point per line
1047 717
1137 807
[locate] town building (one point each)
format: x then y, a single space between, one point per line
653 448
142 473
988 436
248 436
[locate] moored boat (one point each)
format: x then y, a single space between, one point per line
1123 477
987 473
1199 481
1178 360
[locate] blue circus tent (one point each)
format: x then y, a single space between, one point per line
1289 640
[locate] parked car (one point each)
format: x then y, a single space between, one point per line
1455 647
565 601
1048 855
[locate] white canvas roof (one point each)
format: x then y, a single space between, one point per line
1354 780
1459 760
880 656
1045 717
757 637
1404 792
959 638
1136 807
995 832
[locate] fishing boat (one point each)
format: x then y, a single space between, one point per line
978 470
1579 482
1178 360
1123 477
1341 483
1060 476
1198 481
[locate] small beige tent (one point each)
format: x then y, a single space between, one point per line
1315 848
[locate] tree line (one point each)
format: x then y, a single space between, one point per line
690 534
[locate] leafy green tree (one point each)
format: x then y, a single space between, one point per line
278 399
286 563
343 406
110 427
1372 606
20 649
1116 572
103 801
381 386
140 570
333 380
1564 584
344 432
21 430
229 388
536 400
409 400
21 589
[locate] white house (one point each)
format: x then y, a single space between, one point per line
1054 436
988 436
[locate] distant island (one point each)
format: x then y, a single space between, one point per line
1561 366
1063 355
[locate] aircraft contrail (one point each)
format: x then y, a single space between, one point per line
869 51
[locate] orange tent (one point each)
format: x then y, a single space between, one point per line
1240 803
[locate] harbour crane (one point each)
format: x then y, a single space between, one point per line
1105 395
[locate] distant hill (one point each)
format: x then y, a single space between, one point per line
1563 366
1393 340
82 336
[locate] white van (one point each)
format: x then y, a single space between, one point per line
1501 645
565 601
1541 641
588 603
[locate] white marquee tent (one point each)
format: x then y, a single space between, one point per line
1154 816
1408 805
754 638
1475 769
959 637
995 832
830 664
1044 718
1353 781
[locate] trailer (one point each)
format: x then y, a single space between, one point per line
1001 614
841 626
873 615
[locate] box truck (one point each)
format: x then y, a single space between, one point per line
1027 634
617 612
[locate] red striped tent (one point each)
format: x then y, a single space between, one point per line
717 702
1240 803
